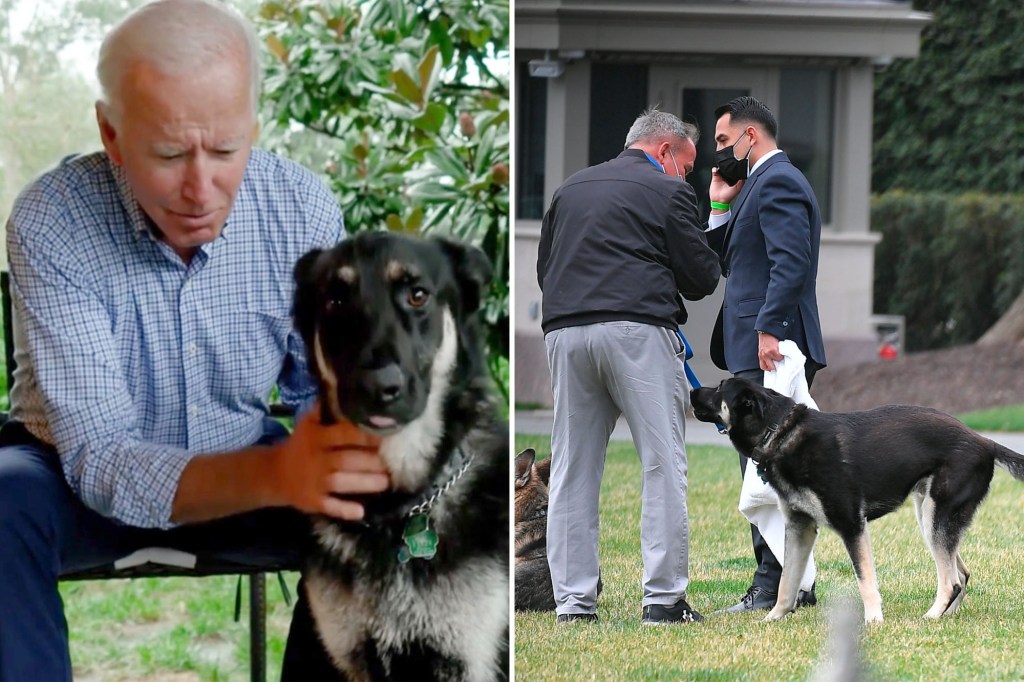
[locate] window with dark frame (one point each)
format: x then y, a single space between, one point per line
531 136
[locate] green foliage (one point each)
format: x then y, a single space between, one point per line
950 264
949 120
401 104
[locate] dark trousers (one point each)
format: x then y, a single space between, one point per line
769 571
46 532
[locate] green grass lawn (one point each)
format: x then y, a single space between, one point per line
166 629
1005 418
182 629
981 642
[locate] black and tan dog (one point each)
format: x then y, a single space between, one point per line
419 590
533 577
842 470
533 588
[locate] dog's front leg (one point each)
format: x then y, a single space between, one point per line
801 533
859 547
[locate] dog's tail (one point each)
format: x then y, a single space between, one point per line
1011 461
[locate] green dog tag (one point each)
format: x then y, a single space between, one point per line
420 539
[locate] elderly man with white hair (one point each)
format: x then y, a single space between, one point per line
152 289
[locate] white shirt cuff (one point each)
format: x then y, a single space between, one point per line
717 220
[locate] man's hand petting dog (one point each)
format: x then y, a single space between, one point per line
318 463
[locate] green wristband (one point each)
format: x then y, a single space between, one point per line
719 207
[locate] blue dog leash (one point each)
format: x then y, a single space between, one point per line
690 376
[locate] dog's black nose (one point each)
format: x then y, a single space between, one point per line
385 384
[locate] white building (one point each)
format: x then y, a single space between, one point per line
586 68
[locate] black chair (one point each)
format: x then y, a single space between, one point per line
257 575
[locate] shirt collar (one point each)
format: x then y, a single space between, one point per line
763 159
653 162
136 217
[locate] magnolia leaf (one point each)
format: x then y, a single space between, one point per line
407 87
484 150
415 219
440 37
432 118
277 48
479 38
433 191
448 163
429 69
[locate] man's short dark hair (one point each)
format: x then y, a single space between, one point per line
748 110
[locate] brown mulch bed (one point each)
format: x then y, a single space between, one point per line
955 380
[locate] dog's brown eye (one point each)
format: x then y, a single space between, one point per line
417 297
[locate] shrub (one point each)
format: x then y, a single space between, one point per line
951 264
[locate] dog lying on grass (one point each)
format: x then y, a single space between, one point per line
842 470
533 577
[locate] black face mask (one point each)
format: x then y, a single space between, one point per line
731 169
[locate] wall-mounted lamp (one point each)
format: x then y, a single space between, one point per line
547 67
881 61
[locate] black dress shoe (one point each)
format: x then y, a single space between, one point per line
807 598
760 599
576 618
680 612
756 599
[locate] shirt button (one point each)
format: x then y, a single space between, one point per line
193 410
193 349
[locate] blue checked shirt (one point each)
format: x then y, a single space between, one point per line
131 363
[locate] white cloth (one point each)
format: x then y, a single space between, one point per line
758 501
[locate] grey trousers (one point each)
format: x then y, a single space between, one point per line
598 372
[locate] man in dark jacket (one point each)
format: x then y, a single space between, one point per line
619 244
766 226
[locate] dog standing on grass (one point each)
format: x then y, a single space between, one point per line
842 470
419 589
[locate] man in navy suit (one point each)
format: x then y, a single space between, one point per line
766 228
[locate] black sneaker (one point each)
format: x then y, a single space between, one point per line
576 618
680 612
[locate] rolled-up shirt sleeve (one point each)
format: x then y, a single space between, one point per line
91 417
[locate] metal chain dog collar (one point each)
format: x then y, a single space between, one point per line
419 539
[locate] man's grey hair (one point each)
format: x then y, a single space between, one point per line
177 37
660 126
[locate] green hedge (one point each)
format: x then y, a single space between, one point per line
951 264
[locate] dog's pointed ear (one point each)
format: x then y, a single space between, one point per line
307 268
472 271
751 401
524 464
543 470
306 298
